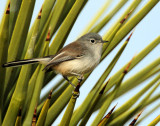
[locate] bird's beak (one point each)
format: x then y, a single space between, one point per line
103 41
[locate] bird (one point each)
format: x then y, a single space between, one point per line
75 59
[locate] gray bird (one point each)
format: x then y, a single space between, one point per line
75 59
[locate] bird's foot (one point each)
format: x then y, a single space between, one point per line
65 77
80 78
76 92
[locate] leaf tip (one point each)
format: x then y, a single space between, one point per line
8 9
130 35
101 92
129 64
50 94
135 119
122 21
109 114
39 14
34 119
20 112
48 35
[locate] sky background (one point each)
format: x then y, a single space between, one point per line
145 32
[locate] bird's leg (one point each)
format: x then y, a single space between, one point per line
69 81
80 78
76 93
76 88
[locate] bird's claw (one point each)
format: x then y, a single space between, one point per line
75 94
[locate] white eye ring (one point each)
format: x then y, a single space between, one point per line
92 40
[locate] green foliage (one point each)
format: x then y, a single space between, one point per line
20 88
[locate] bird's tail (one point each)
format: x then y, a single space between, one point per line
43 60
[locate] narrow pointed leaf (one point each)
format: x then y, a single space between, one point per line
55 95
102 23
37 89
19 118
90 109
155 121
148 113
15 6
4 32
35 98
105 119
66 10
26 70
56 13
34 119
55 86
47 7
99 14
153 99
108 101
134 99
121 119
133 6
67 25
58 105
19 36
15 48
111 36
135 80
43 114
130 25
135 119
135 61
124 86
69 110
30 90
137 77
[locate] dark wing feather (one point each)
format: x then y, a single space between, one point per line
70 52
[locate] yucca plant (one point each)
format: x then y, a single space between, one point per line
20 87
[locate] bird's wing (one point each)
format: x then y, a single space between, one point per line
70 52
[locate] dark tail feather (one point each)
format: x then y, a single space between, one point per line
19 63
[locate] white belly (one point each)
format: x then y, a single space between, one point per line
77 66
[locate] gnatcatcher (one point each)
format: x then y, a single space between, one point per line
75 59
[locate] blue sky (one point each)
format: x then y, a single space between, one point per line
146 31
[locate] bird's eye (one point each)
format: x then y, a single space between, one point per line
92 40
